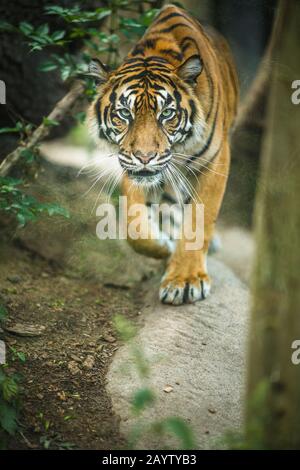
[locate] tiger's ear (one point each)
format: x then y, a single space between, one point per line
190 70
98 71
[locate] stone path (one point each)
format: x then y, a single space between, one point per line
197 353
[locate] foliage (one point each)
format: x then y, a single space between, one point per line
141 399
9 392
178 428
77 15
9 403
125 329
84 25
50 439
21 128
23 206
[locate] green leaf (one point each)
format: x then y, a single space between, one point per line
8 418
42 30
28 155
181 430
26 28
47 66
142 398
50 122
6 130
57 35
147 18
9 388
5 26
124 328
21 356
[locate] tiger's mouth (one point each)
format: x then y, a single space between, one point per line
145 177
143 173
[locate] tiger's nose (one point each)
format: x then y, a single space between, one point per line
144 157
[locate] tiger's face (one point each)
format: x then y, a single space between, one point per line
144 109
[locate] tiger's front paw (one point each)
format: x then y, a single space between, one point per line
177 290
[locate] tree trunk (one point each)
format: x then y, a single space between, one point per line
273 405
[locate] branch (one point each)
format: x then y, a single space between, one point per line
57 114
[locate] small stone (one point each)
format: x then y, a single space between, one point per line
89 362
109 338
73 368
40 396
212 411
168 389
61 395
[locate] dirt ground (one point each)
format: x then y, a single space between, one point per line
68 293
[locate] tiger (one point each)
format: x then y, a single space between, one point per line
167 112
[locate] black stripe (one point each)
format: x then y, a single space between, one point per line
186 292
168 17
174 26
172 53
149 43
211 89
105 114
97 109
138 50
209 141
169 198
192 41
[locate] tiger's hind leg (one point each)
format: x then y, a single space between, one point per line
186 278
150 241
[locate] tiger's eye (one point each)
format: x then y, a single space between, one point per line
167 113
124 113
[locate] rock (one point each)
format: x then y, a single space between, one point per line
168 389
21 329
62 396
211 376
89 362
73 367
109 338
